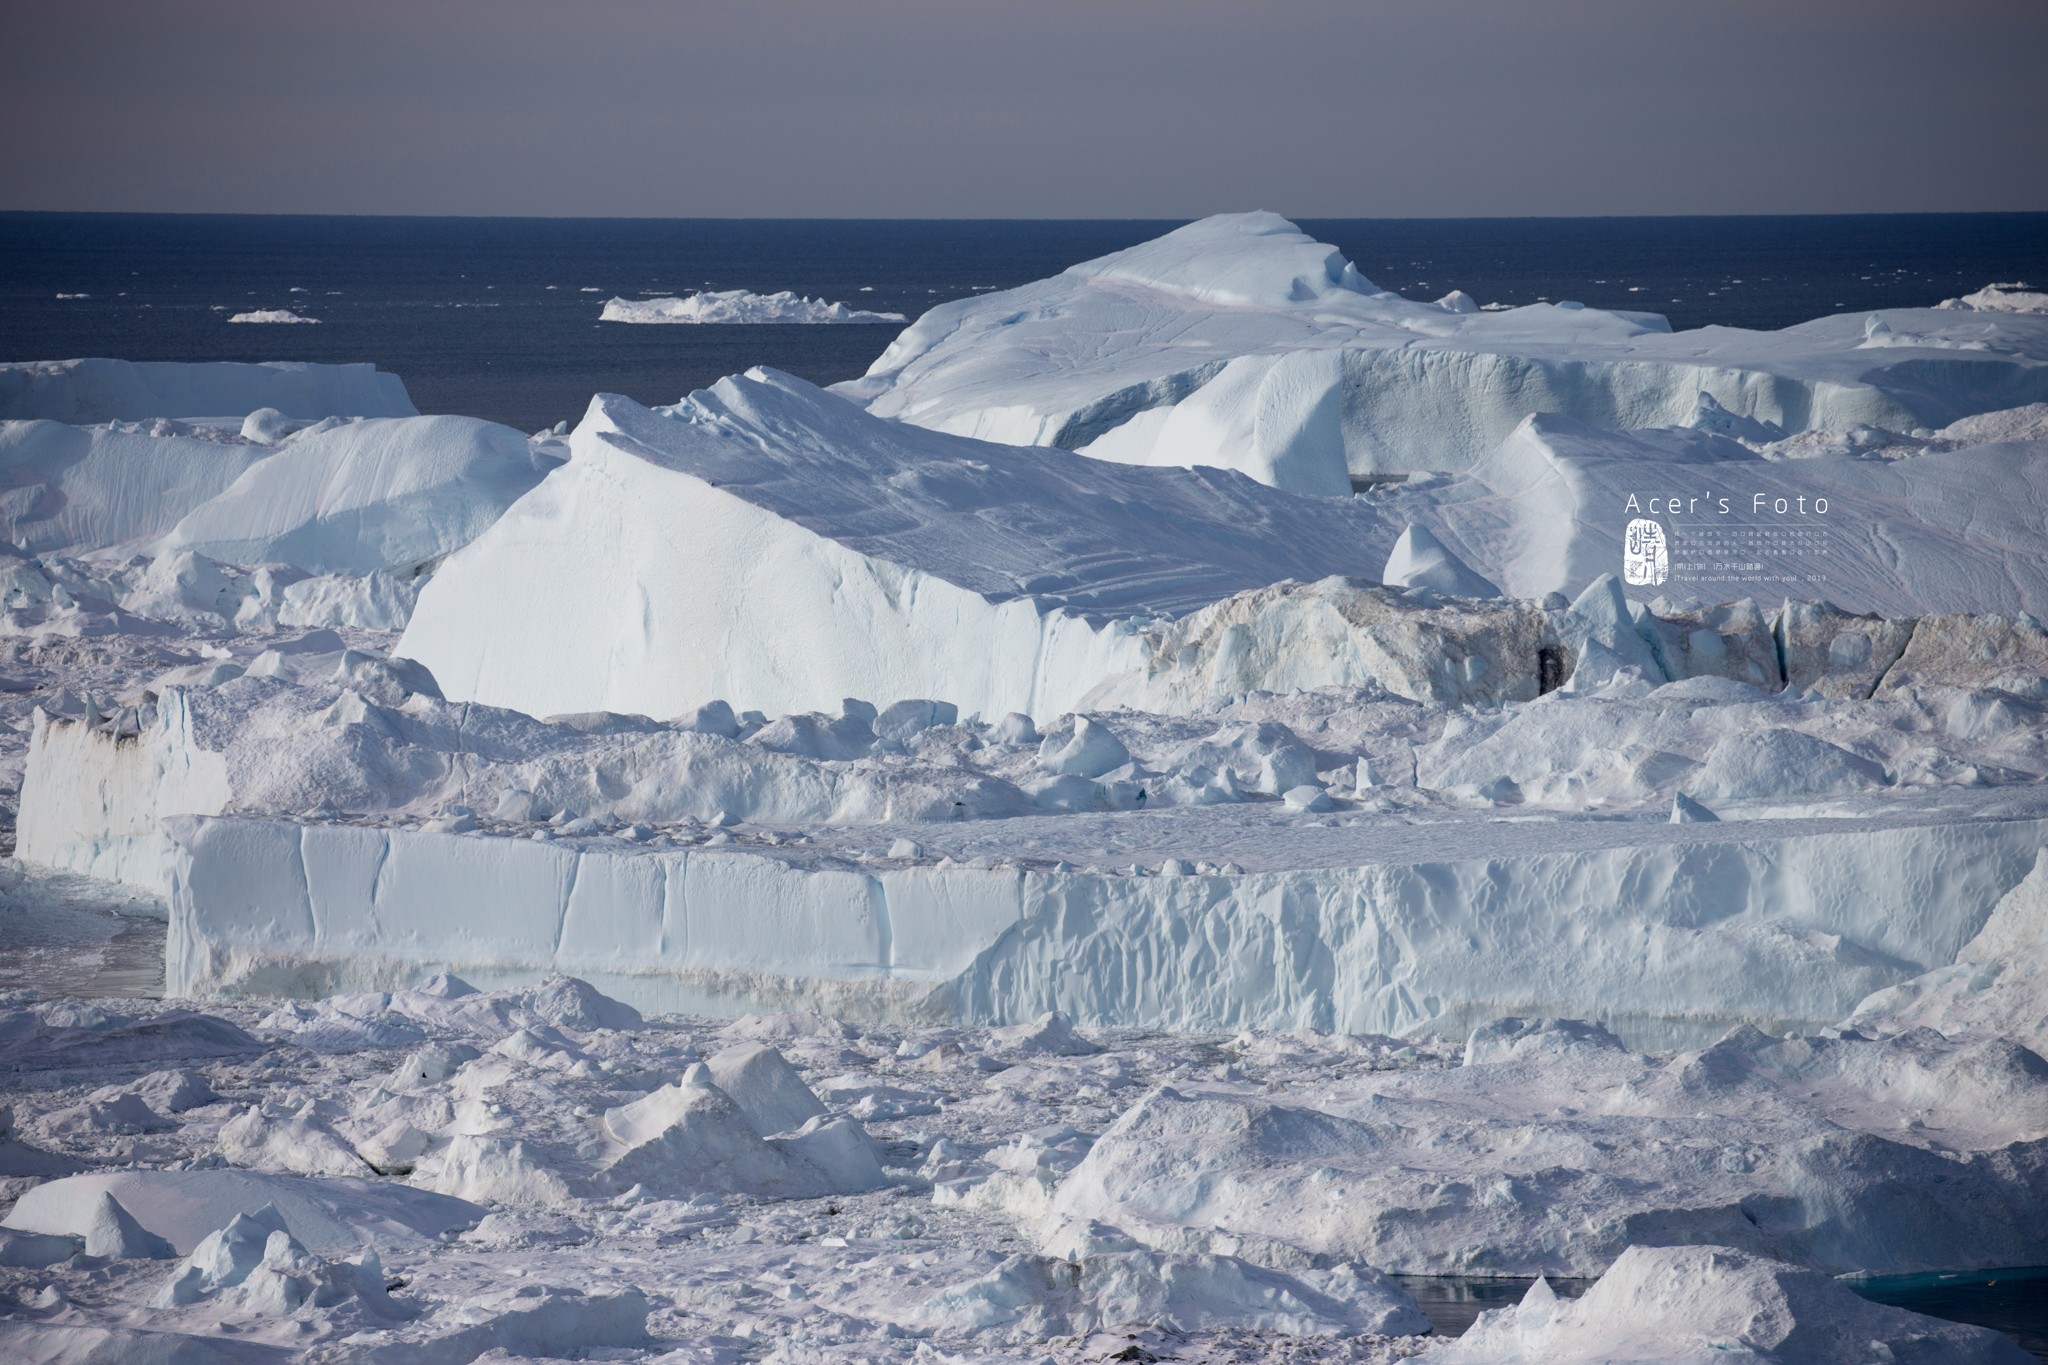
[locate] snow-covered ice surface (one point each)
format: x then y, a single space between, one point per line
1241 342
738 305
1126 893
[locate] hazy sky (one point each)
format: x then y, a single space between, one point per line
1045 108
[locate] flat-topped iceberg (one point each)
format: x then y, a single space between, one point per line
738 305
1241 342
772 544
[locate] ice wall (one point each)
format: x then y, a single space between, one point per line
772 545
93 802
1664 932
88 391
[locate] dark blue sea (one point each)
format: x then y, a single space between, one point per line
498 317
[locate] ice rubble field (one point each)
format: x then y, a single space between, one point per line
437 1173
1234 892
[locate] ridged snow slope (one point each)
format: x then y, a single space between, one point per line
774 545
89 391
1239 341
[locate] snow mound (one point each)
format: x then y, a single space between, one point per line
737 305
254 1265
112 1231
58 1033
692 1138
332 1216
1419 559
364 497
90 391
765 1086
1238 341
891 548
1699 1304
1824 1151
284 315
567 1002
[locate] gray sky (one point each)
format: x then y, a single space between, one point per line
1049 108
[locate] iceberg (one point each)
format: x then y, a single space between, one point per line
71 489
737 305
352 497
1668 933
831 554
1239 341
284 315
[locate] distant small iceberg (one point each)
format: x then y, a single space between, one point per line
738 305
271 315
